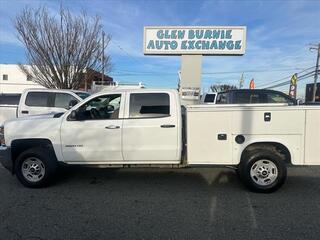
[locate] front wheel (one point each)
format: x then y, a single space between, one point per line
262 170
35 167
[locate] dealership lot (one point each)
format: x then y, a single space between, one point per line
197 203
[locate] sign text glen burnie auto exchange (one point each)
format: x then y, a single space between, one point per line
224 41
174 40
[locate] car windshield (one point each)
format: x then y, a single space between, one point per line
83 95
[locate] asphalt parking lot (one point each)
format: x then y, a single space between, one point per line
159 204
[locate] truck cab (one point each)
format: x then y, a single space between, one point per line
136 126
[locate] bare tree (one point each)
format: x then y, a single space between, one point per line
60 49
222 87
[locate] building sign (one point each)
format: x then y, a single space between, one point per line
190 93
212 40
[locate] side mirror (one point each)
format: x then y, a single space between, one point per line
299 101
110 109
73 115
72 103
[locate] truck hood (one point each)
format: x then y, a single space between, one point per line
39 116
44 126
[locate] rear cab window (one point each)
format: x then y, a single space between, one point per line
149 105
209 98
9 99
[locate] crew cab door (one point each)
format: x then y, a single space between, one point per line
151 128
93 134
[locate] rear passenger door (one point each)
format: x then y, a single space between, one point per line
150 129
35 103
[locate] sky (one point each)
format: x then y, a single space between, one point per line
278 37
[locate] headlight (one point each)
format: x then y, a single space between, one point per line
2 135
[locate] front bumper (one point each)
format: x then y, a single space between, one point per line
5 158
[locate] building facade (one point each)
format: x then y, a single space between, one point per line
13 80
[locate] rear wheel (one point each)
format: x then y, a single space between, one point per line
262 170
35 167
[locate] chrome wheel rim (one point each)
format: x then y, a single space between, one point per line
264 172
33 169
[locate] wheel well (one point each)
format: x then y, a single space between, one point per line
21 145
275 146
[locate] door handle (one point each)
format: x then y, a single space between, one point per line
267 116
112 127
24 112
167 126
222 136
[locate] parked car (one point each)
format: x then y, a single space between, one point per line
8 106
38 101
251 96
209 98
149 128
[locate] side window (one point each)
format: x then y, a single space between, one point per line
256 98
248 97
209 98
37 99
145 105
102 107
278 98
9 99
62 100
243 97
83 95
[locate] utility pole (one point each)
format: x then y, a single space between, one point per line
241 81
315 47
102 59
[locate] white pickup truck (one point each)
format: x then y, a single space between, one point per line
149 128
37 101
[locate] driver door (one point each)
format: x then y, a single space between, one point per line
94 135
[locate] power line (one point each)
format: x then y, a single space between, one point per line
266 85
126 52
288 82
129 73
253 71
307 75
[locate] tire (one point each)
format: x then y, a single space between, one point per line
262 170
36 167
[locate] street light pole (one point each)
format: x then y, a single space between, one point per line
316 72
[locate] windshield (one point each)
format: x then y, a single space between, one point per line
83 95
